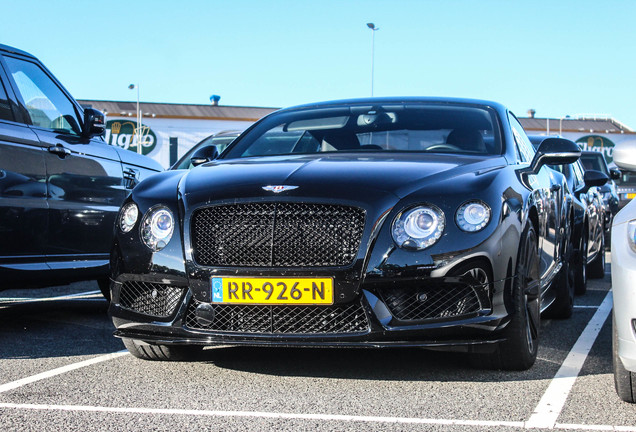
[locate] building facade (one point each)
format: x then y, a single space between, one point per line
163 123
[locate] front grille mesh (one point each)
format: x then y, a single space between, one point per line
148 298
277 235
278 319
438 301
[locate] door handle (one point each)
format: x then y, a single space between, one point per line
60 150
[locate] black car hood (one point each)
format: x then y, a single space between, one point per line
349 177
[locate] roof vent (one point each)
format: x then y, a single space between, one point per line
531 112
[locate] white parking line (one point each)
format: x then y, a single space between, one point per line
551 404
24 381
301 416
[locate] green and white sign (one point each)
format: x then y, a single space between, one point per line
123 133
599 144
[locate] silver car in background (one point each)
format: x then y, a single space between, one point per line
623 286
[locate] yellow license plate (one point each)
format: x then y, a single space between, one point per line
631 195
272 290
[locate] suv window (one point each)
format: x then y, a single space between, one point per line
5 108
46 103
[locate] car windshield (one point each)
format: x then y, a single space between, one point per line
465 130
594 162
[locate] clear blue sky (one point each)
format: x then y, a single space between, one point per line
558 57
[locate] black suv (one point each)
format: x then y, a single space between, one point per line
61 185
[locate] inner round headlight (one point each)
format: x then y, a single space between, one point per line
473 216
157 228
419 227
128 217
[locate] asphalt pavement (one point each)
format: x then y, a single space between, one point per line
61 369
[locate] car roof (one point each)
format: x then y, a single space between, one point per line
7 48
396 100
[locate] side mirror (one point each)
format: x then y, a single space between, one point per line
625 155
94 123
204 154
615 173
555 151
593 178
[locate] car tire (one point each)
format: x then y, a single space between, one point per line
580 269
597 266
519 350
104 287
624 380
146 351
563 305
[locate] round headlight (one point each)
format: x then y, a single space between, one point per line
128 217
157 228
419 227
473 216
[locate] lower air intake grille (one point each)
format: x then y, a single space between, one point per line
148 298
349 318
432 302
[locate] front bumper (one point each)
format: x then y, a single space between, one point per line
460 316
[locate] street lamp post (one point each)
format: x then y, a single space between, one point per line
373 30
138 129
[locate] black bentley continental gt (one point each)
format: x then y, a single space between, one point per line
378 222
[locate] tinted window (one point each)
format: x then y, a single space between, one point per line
47 105
5 108
578 174
422 127
594 162
525 150
221 143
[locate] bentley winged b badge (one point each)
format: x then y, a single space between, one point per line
279 188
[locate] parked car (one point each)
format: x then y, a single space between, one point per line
625 188
623 287
214 143
61 186
596 161
587 219
372 222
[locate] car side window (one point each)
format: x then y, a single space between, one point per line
525 150
5 108
45 102
578 174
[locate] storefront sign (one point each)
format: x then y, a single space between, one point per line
122 133
599 144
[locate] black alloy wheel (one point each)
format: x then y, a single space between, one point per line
479 274
580 270
563 305
519 350
624 380
597 266
146 351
